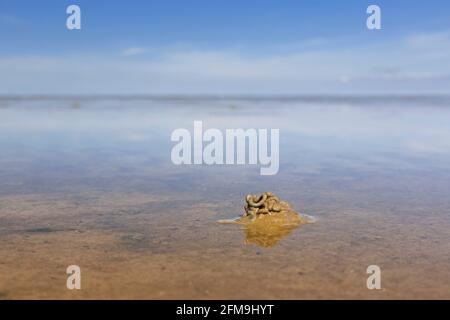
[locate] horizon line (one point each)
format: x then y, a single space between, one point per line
218 96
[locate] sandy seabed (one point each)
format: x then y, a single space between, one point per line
141 229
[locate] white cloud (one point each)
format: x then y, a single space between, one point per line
429 146
10 20
431 39
133 51
406 66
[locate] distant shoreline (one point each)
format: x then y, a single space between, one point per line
304 98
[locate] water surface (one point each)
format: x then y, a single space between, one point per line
90 182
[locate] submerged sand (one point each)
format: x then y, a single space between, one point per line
140 228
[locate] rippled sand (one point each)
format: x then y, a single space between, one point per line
94 186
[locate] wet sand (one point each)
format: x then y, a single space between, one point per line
94 186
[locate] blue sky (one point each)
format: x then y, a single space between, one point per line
224 47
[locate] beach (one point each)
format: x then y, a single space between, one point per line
89 181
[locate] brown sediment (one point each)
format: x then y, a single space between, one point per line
267 219
140 228
173 256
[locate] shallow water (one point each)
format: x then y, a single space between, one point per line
90 182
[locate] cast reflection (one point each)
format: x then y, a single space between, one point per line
268 230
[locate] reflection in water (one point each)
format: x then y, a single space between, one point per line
90 182
266 231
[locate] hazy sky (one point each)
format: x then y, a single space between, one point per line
224 47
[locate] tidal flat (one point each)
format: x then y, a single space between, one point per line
89 181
